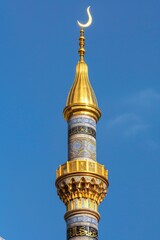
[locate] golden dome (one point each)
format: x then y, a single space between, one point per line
81 98
81 91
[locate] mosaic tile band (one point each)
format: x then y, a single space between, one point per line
82 120
82 130
82 231
79 218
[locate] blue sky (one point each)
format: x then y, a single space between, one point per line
38 46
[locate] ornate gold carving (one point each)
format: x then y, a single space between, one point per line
81 165
81 188
81 204
92 166
72 167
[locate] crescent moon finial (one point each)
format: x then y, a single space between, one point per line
89 20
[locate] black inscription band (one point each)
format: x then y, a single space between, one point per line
82 130
79 231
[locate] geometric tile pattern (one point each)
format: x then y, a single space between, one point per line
81 147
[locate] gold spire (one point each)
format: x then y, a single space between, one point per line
81 50
81 98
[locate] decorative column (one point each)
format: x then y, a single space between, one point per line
82 182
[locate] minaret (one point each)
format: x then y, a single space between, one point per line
82 182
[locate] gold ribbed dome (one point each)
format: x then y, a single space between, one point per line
81 98
81 90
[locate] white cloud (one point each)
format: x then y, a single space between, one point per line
137 116
124 118
146 97
2 238
136 129
129 124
